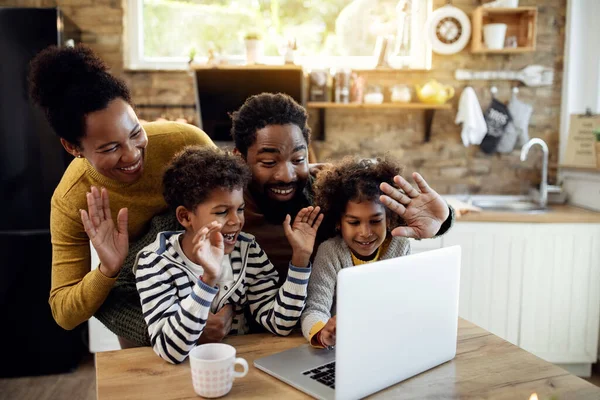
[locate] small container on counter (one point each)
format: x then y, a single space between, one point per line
341 91
357 90
400 93
373 95
319 86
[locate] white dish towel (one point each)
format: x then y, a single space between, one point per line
470 115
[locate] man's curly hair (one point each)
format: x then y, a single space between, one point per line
69 83
353 179
196 171
266 109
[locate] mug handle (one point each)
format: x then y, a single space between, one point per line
450 92
244 365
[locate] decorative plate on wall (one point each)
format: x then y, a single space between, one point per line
448 29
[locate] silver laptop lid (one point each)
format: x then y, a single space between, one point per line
395 319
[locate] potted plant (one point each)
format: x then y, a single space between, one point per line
254 48
191 55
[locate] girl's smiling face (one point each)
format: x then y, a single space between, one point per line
364 227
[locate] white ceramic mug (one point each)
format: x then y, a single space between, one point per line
493 36
212 367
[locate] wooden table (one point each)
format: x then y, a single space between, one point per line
485 367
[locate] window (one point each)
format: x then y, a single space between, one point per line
164 34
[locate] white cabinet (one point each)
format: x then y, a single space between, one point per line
491 275
100 338
561 293
418 246
535 285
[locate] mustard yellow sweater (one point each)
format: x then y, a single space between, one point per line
77 292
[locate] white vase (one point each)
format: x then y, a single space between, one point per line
493 36
254 51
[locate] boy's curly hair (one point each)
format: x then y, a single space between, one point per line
196 171
69 83
353 179
266 109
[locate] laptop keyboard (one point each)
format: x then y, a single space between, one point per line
324 374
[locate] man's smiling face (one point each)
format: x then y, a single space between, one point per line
278 159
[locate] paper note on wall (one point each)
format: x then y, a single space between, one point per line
581 145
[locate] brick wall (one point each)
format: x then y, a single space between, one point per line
450 167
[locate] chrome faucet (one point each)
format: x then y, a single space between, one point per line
543 200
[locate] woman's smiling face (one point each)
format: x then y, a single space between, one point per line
114 142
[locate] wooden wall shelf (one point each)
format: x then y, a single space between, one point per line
428 108
406 106
517 50
521 22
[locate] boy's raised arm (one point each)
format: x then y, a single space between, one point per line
278 310
174 326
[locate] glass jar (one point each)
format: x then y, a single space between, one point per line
373 95
400 93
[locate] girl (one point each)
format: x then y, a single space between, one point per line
358 228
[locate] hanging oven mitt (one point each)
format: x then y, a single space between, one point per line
508 139
521 114
497 118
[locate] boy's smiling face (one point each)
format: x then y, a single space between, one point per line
363 227
224 206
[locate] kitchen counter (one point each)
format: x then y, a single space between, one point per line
555 215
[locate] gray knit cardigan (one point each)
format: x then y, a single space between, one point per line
332 256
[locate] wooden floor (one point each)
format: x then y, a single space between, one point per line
77 385
81 384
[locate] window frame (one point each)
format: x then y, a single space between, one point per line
134 59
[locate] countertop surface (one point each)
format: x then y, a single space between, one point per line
554 214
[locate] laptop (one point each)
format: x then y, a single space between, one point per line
395 319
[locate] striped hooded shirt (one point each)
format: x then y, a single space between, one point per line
176 303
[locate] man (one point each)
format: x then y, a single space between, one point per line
271 133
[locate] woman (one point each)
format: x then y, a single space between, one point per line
91 111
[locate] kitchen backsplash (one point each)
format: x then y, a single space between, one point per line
444 161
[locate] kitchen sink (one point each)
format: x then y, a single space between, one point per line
515 206
503 203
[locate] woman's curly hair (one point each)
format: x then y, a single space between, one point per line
353 179
69 83
266 109
196 171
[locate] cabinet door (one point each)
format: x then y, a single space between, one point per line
419 246
561 293
491 274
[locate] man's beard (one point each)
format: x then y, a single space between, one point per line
275 211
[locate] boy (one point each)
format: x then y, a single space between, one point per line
184 275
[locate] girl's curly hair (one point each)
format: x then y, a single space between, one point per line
353 179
